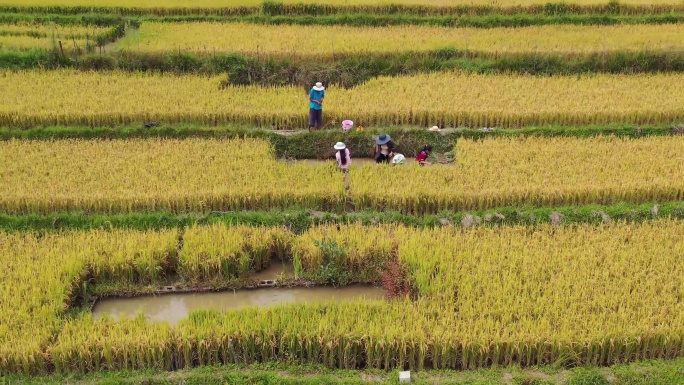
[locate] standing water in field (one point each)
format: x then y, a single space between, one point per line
176 307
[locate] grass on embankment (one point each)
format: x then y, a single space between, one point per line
639 373
275 8
356 19
318 144
301 220
352 69
486 21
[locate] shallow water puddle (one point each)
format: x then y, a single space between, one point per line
176 307
275 270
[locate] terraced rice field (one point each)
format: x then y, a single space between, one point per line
116 98
150 168
295 41
168 175
555 299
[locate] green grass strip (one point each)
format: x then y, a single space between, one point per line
275 8
655 372
374 20
318 144
299 220
90 19
354 19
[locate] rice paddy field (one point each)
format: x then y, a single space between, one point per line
30 37
165 175
67 97
162 148
554 299
325 41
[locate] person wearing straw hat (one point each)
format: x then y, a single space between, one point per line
383 147
342 156
316 96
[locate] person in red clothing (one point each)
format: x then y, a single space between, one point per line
423 155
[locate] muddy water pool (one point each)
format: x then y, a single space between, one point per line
175 307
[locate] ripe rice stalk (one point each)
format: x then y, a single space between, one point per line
503 101
315 41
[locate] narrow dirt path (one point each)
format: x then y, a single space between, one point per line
349 202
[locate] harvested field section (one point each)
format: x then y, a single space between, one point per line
38 98
158 175
328 41
530 171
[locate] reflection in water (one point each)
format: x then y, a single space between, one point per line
274 270
176 307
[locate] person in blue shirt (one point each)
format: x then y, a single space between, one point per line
316 106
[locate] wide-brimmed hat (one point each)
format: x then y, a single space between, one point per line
434 129
339 146
318 86
383 139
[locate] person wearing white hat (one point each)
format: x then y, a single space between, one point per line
342 156
316 96
397 158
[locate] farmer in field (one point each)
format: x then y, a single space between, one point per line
423 156
382 149
397 158
342 156
316 96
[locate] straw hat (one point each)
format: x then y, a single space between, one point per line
383 139
318 86
339 146
434 129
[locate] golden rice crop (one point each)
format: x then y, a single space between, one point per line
200 175
530 171
239 3
218 252
327 41
359 250
42 274
193 175
119 345
570 295
581 292
23 43
28 36
58 31
115 98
